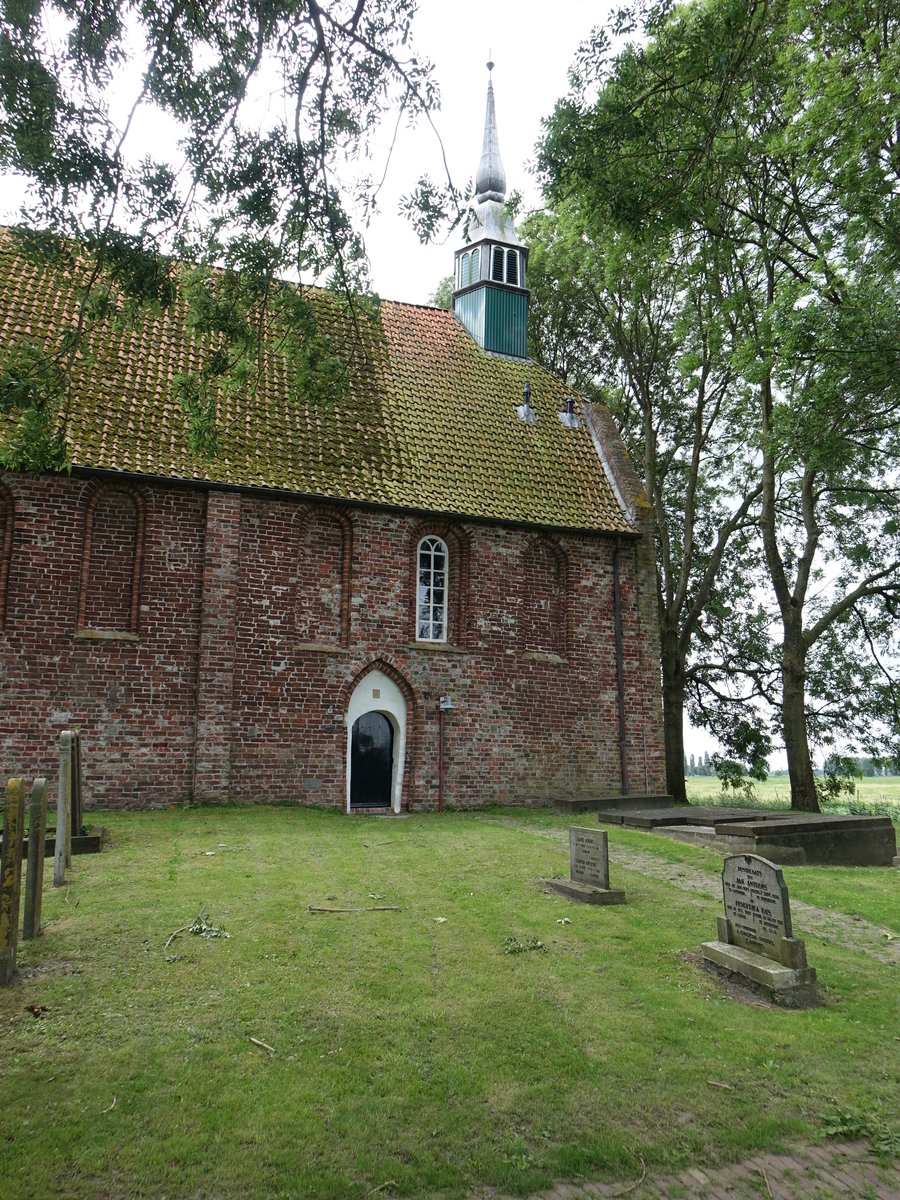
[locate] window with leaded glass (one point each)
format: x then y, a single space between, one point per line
431 597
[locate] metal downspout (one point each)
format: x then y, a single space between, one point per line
620 669
441 758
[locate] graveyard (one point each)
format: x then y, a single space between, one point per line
280 1001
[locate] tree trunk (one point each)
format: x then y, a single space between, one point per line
793 724
673 716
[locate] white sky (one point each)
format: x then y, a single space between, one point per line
532 48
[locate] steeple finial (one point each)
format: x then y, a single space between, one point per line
490 182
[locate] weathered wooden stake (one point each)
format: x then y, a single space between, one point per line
34 876
69 790
63 810
76 785
11 878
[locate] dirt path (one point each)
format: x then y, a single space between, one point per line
850 931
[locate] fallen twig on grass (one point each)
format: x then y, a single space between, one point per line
631 1186
381 1187
377 908
766 1182
263 1045
111 1107
185 928
726 1087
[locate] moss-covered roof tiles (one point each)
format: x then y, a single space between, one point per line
427 421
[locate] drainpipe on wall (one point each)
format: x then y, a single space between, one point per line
620 669
445 705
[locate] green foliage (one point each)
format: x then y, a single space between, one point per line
249 189
838 778
845 1123
32 395
762 133
442 296
512 945
631 321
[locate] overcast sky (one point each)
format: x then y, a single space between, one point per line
532 49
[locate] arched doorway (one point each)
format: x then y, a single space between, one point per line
376 743
371 761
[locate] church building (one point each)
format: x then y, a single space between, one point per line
436 589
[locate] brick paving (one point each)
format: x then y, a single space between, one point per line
833 1171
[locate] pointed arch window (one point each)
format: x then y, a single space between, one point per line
497 264
475 267
432 588
512 267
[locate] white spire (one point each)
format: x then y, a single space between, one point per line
489 216
490 182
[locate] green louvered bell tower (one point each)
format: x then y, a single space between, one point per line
490 299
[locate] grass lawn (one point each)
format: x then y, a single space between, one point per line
413 1055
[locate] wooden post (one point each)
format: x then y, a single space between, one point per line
63 809
76 785
34 876
69 796
11 878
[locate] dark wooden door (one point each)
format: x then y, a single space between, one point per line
371 761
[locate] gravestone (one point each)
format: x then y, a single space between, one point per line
588 880
756 939
11 878
34 876
63 852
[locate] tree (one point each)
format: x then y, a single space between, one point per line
637 321
715 124
442 296
267 98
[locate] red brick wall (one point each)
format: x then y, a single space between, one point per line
236 683
6 531
134 700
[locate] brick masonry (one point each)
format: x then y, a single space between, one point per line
207 643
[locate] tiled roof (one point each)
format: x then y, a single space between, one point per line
428 422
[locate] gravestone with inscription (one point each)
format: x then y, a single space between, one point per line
588 879
756 938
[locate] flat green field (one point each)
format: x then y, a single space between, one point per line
477 1033
878 793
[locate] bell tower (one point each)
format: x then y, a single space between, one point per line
490 299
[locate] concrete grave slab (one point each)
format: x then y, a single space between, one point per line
786 837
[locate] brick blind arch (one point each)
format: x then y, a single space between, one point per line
6 537
543 625
322 610
109 596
